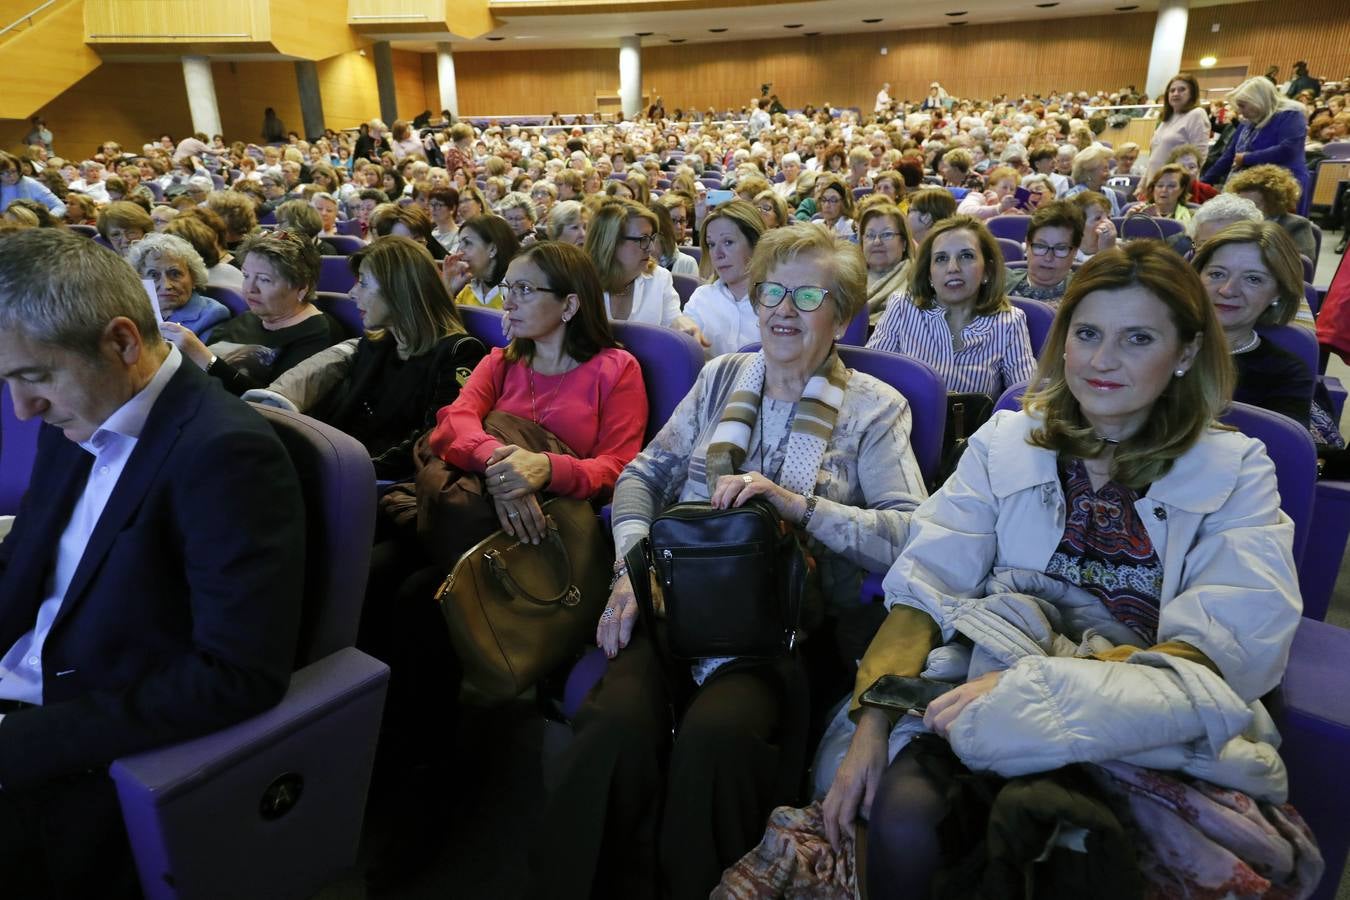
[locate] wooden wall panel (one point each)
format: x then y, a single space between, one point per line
154 20
350 94
408 84
539 81
1275 33
245 89
130 103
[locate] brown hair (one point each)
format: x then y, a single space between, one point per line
1058 214
411 285
1278 253
124 214
742 214
293 256
1184 409
569 270
990 299
1277 186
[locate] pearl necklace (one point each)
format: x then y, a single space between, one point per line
1250 345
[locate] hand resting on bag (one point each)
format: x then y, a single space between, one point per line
523 519
512 473
735 491
614 630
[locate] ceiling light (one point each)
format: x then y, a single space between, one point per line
961 13
643 34
1125 8
871 21
794 25
496 39
1047 5
717 30
678 40
811 34
957 24
1207 62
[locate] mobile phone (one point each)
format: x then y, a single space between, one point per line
1021 195
717 198
896 692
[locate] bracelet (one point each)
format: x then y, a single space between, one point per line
620 570
810 511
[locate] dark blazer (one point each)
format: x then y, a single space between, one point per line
183 613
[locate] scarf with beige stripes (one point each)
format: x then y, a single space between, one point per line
811 425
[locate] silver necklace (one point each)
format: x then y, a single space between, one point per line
1250 345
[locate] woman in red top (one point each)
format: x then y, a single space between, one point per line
564 371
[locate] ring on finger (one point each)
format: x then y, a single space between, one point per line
513 514
747 479
608 613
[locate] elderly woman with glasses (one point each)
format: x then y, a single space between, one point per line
635 814
885 246
620 241
835 200
178 273
1053 239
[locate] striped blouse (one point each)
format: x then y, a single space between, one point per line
996 351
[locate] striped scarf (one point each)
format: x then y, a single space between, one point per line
811 426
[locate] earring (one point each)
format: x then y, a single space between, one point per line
565 318
1179 372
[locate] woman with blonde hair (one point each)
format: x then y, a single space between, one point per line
1162 570
773 209
1273 130
722 307
567 222
885 246
835 200
620 241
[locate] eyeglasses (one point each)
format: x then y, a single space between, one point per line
872 237
523 290
806 298
1060 250
644 242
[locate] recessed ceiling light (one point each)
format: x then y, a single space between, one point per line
794 25
717 30
961 13
1047 5
957 24
871 21
811 34
1207 62
496 39
678 40
644 34
1125 8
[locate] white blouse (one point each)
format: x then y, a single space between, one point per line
655 301
730 323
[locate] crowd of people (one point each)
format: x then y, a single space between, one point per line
1106 554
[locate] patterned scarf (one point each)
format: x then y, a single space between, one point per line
811 426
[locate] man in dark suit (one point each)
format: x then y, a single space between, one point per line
150 588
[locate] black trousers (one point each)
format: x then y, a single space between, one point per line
637 814
65 839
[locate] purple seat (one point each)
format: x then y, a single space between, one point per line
670 363
102 241
1040 316
1011 250
349 227
855 335
1169 227
1012 228
685 285
88 231
861 192
1337 150
1328 536
267 218
271 790
156 190
335 275
1133 228
345 244
484 323
344 309
18 452
695 252
1299 341
232 299
1309 270
1312 710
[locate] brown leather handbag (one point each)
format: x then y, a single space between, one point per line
517 611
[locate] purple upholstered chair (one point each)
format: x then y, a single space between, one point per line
1040 316
695 252
18 452
232 299
335 274
685 285
1132 228
345 244
670 363
267 218
1011 250
855 335
350 227
1168 227
484 323
1012 228
344 309
88 231
272 807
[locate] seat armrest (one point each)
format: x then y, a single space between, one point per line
338 678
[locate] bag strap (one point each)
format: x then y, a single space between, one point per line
640 570
568 595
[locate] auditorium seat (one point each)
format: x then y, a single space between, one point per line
685 285
1012 228
335 274
345 244
349 227
344 309
1011 250
232 299
695 252
273 806
18 453
1040 316
88 231
484 323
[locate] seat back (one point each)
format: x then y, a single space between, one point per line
670 363
349 227
484 323
338 483
855 335
335 275
1169 227
1296 340
86 230
1012 228
1011 250
18 453
232 299
267 218
1040 316
1133 228
1291 448
344 309
345 244
921 387
695 252
685 285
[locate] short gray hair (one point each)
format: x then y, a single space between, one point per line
517 200
1225 208
60 288
173 247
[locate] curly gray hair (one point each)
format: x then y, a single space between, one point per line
171 246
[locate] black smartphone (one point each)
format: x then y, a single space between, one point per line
1021 195
896 692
